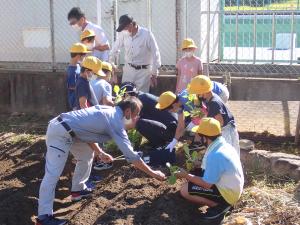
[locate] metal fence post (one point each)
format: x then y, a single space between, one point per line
208 36
273 37
178 30
236 36
53 57
254 38
292 38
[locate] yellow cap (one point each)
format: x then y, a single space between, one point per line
165 100
79 48
208 127
94 64
200 85
188 43
107 66
86 34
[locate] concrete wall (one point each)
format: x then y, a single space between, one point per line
42 93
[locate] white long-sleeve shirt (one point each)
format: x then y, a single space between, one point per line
140 49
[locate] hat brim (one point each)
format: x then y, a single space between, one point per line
100 73
158 106
121 27
195 129
81 52
87 37
189 46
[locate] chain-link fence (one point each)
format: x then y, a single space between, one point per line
225 31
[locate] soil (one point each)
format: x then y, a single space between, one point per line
124 196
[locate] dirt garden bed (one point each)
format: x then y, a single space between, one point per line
124 196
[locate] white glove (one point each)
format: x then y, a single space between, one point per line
190 126
172 145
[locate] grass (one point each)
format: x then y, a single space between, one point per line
266 200
22 139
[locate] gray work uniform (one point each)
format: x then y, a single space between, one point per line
96 124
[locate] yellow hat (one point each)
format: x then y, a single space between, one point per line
188 43
86 34
200 85
165 100
79 48
208 127
94 64
107 66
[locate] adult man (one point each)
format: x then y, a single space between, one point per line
79 22
157 126
92 125
142 57
221 185
85 96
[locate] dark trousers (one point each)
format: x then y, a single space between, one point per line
156 132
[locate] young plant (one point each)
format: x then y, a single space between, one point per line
135 138
119 93
173 169
196 107
190 158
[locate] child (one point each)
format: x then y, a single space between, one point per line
101 87
78 52
87 37
222 182
188 66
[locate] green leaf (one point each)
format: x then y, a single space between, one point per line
116 89
189 165
172 179
194 155
186 113
186 150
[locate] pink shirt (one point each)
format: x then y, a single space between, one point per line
187 69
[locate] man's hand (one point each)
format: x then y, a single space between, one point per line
153 80
159 175
104 157
181 174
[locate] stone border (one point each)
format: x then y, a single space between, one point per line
277 163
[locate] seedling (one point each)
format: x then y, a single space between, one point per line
173 170
119 93
190 158
196 107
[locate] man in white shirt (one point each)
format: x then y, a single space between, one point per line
79 22
142 57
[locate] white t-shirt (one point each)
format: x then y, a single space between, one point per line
101 89
100 39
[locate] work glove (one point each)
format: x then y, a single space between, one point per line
172 144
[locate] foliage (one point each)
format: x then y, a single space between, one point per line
134 137
190 157
173 169
195 107
119 93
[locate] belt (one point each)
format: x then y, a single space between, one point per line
138 67
66 126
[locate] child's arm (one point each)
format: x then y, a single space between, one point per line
193 179
200 68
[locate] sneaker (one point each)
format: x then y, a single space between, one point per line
78 195
94 179
217 212
51 220
102 166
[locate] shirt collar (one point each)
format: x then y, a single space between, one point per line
215 143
